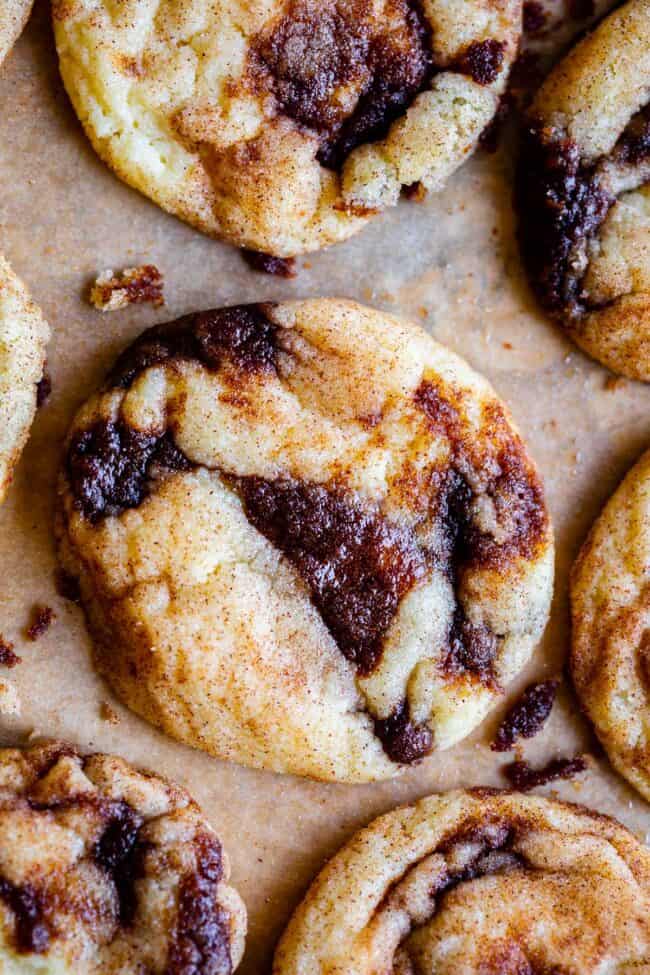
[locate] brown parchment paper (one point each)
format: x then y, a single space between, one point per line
450 263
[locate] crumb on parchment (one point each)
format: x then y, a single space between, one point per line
133 286
7 656
522 776
42 619
108 713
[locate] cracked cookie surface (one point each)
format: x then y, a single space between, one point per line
13 17
308 537
23 337
478 883
106 869
610 601
584 192
282 126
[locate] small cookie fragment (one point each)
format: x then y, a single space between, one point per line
523 776
133 286
479 883
105 869
43 617
527 716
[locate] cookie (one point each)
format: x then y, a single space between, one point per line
478 883
584 192
23 337
283 126
307 537
105 869
13 17
610 603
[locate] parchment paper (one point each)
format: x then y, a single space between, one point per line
450 263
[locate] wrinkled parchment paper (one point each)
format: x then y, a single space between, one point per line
449 263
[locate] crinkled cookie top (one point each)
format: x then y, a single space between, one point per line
105 869
281 125
478 883
308 537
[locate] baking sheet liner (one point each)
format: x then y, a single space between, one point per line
449 263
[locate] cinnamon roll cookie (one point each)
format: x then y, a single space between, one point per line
283 125
478 883
13 17
105 869
610 599
307 537
23 337
584 192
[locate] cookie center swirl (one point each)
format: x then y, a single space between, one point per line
343 72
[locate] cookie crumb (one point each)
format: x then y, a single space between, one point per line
527 716
281 267
107 713
7 656
415 192
9 699
67 586
483 60
612 383
43 617
522 776
43 389
133 286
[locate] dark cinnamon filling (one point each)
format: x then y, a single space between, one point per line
110 467
118 852
524 777
279 267
346 78
321 48
528 716
201 940
356 564
563 201
243 335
